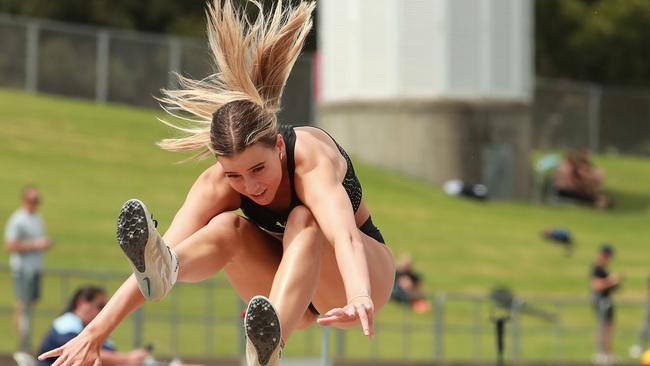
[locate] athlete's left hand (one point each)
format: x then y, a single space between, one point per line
359 308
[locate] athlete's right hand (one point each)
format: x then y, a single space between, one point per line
83 350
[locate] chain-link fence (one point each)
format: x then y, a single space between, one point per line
571 115
109 65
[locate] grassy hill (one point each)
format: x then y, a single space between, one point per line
88 159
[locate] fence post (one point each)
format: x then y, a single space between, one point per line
559 341
438 327
31 57
514 313
595 96
478 329
173 338
101 77
325 348
209 317
340 343
406 332
175 61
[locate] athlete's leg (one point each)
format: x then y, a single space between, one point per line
227 241
297 276
330 292
249 256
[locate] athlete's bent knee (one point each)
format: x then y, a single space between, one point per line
225 220
224 228
302 222
301 217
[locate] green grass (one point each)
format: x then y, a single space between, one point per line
88 159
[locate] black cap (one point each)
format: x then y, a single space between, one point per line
607 249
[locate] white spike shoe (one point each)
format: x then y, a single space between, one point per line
263 333
155 266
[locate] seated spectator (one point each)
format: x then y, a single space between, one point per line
577 178
407 287
86 303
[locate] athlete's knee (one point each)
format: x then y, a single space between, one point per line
225 221
225 227
301 221
301 217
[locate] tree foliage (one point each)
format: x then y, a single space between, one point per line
605 41
180 17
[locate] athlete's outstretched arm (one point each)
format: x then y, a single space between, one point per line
322 192
209 196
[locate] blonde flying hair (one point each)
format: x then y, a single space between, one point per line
236 107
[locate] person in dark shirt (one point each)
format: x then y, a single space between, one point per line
85 304
602 285
407 287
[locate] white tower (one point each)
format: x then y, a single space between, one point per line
450 73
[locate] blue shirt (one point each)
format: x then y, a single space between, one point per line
64 328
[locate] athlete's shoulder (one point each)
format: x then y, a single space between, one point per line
212 186
313 144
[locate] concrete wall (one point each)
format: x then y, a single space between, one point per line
486 141
463 49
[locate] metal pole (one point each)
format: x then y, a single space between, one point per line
340 344
559 333
173 339
438 327
175 61
595 96
31 59
374 344
514 311
209 317
325 348
406 331
101 78
477 329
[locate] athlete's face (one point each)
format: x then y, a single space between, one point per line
256 172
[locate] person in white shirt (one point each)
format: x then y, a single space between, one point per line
26 240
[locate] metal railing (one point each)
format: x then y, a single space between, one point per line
204 320
570 114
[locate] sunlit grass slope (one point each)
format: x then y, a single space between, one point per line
88 159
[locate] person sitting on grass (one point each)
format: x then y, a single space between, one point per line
578 179
84 306
407 289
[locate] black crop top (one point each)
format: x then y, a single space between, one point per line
273 221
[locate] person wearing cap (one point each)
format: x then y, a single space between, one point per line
602 285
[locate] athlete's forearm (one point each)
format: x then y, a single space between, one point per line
353 265
125 300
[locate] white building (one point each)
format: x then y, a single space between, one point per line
447 80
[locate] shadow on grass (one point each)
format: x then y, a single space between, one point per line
627 201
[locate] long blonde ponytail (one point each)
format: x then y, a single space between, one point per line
253 61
